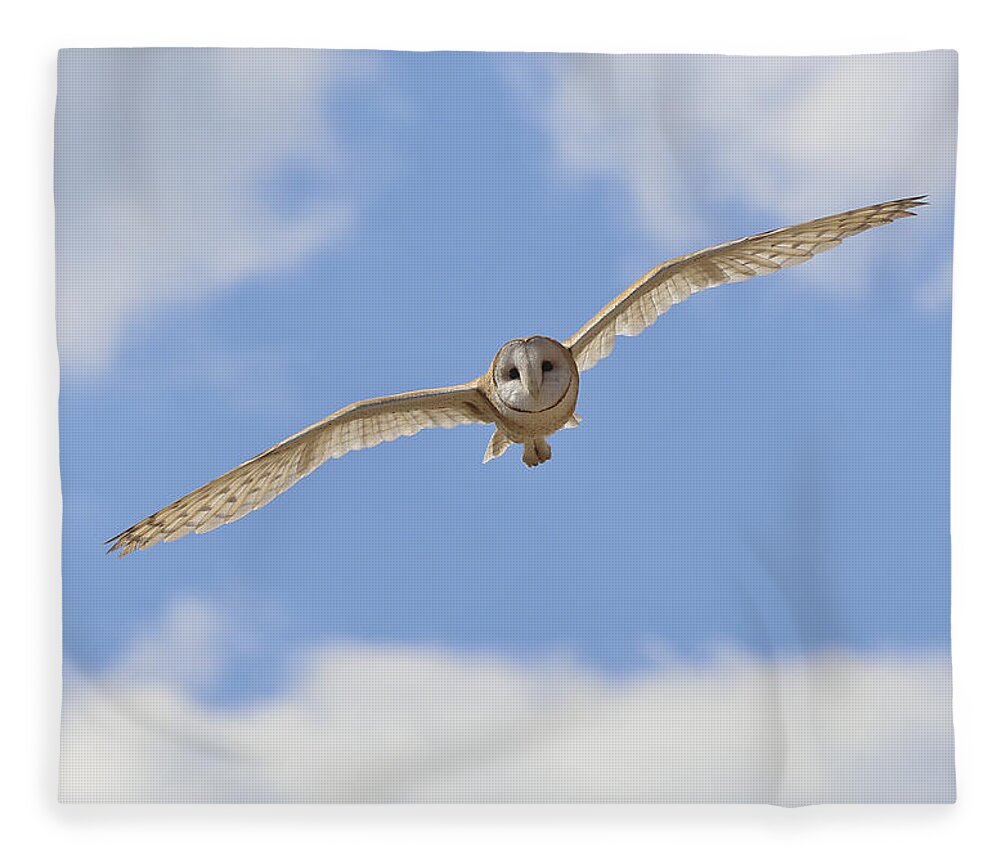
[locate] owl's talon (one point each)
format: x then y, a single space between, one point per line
536 451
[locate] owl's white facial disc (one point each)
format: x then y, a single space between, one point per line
532 375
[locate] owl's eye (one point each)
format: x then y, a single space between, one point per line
514 373
546 366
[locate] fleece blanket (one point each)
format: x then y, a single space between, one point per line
671 337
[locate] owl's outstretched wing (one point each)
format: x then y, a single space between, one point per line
673 281
256 482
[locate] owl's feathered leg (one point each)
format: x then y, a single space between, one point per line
536 451
544 450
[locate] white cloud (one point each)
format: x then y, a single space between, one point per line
393 724
695 136
162 160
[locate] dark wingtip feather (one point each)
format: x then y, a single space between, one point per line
118 544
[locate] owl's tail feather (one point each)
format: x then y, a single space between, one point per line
497 445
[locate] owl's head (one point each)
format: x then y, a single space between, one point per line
533 374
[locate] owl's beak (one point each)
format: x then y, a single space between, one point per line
532 380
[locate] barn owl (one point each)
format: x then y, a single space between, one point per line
528 392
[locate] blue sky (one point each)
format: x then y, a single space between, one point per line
765 468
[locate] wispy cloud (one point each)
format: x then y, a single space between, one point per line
699 139
163 162
367 723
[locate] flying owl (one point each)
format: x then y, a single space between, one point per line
528 392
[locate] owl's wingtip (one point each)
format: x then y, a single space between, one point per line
115 550
119 545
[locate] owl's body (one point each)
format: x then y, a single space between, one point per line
528 392
532 384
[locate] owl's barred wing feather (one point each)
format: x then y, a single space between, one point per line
256 482
671 282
